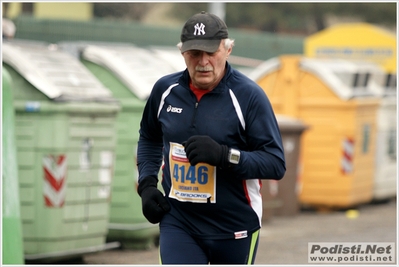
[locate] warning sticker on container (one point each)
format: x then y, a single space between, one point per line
54 187
348 149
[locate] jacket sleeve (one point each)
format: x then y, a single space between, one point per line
263 158
149 150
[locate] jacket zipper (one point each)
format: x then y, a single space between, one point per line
195 113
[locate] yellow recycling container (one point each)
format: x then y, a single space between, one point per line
369 43
337 100
354 41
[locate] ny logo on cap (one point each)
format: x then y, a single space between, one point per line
199 29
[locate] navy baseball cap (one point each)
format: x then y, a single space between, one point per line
203 31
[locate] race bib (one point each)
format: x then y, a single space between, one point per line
190 183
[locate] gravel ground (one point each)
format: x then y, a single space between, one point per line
284 240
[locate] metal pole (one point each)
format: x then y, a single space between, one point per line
217 8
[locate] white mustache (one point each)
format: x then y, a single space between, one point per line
199 68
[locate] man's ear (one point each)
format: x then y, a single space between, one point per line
229 51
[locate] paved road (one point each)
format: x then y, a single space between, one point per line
284 240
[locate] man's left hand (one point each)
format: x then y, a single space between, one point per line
202 148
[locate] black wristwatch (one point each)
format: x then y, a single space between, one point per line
234 156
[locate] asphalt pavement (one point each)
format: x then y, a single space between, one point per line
284 240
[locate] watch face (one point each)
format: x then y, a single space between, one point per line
234 158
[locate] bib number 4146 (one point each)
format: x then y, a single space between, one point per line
192 174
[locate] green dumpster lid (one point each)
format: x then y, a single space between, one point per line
347 79
136 67
55 73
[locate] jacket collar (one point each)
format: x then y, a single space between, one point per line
185 79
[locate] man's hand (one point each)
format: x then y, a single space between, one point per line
202 148
154 204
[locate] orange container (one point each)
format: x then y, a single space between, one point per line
369 43
339 104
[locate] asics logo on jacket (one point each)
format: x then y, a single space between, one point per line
174 109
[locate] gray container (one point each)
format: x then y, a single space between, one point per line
280 198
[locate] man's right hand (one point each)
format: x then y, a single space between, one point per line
154 204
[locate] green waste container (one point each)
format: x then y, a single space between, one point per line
129 72
11 219
66 139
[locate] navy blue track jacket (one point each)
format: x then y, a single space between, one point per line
211 202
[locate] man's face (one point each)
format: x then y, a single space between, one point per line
206 69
